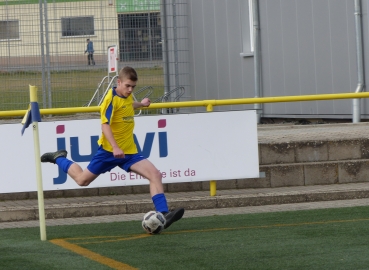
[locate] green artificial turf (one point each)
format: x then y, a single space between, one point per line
313 239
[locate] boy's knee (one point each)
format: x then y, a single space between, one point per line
158 174
83 183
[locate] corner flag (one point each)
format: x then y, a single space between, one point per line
32 115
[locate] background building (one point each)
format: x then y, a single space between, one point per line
205 46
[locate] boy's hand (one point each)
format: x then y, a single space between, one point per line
118 153
146 102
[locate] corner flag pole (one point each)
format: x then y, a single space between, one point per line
36 143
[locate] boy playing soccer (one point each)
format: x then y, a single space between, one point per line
117 146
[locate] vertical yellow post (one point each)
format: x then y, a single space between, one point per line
36 143
213 184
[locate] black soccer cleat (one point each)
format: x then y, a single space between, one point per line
173 216
52 156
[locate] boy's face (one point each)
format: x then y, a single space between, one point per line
125 87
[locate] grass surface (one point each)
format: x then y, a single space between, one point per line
72 88
314 239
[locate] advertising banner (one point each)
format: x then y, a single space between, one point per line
184 147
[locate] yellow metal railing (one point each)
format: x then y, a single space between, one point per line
202 103
209 104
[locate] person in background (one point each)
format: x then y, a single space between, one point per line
90 51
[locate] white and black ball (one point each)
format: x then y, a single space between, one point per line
153 222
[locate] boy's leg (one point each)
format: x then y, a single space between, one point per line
82 177
146 169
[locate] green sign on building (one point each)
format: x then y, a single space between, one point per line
138 5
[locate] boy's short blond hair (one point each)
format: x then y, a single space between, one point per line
128 73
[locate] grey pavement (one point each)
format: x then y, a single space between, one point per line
192 213
70 63
79 210
325 132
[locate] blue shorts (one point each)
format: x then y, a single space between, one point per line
103 161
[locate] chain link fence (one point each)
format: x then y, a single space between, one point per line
45 43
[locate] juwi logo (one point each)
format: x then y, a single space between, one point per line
77 157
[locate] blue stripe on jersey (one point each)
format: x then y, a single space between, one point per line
114 92
109 110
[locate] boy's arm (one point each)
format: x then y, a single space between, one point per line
117 152
144 103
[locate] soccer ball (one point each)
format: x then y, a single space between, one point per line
153 222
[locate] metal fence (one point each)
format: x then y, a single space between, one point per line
44 43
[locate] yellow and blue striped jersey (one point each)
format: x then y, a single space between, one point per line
118 112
